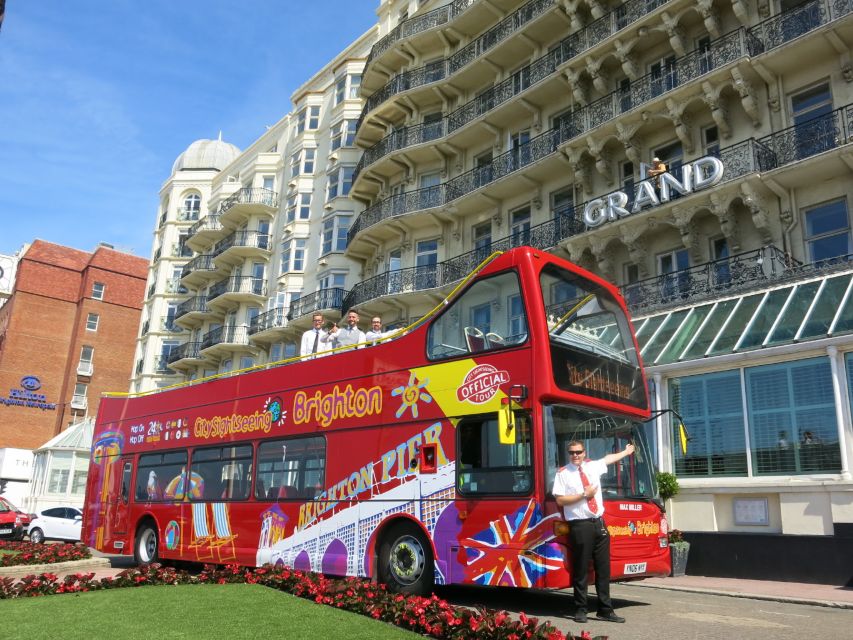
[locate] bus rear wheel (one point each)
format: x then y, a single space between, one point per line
146 549
405 560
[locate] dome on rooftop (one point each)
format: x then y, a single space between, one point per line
206 154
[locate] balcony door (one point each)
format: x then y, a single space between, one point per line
663 75
426 261
672 268
815 129
395 273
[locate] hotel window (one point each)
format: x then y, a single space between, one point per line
337 135
672 269
290 212
308 119
85 366
426 261
246 362
792 418
269 183
313 118
78 400
60 471
712 408
80 474
828 231
333 281
167 348
192 207
293 254
98 290
349 130
354 86
481 238
335 230
295 164
340 181
711 141
304 206
340 89
814 124
520 226
308 161
92 322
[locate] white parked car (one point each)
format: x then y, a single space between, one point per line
56 523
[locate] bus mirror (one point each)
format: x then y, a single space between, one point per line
506 423
518 392
428 458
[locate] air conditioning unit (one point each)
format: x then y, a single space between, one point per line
85 368
79 402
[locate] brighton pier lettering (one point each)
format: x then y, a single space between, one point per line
326 408
701 174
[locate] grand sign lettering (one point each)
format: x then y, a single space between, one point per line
701 174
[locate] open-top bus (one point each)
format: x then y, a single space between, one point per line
426 459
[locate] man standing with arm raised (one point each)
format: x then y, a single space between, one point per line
577 487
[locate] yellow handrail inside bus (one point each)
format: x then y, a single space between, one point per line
278 363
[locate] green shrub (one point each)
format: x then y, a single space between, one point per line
667 485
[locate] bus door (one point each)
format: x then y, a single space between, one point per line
119 495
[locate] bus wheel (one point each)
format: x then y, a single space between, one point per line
405 560
146 547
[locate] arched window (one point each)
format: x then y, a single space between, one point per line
192 206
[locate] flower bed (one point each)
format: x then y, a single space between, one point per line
431 616
29 553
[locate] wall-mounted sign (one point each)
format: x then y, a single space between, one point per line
696 176
751 511
26 396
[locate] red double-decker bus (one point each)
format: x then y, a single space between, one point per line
426 459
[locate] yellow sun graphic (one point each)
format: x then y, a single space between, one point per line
412 393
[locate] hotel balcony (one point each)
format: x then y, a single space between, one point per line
814 147
199 271
323 300
467 65
79 403
236 289
241 245
543 82
191 312
225 339
186 356
205 232
270 326
240 206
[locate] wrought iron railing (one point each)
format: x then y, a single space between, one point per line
186 350
721 52
253 239
811 137
743 158
784 27
199 263
332 298
272 319
249 195
228 334
196 304
238 284
728 275
168 324
435 71
181 250
209 222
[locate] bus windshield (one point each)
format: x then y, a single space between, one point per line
631 478
585 317
592 349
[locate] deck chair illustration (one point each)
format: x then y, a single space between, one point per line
223 539
201 532
475 339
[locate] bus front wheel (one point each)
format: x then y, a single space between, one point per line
146 549
405 560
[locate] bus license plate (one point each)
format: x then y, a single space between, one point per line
637 567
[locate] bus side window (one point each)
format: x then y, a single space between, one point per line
125 482
485 465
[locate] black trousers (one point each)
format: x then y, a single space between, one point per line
590 541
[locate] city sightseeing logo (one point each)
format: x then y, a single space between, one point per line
481 384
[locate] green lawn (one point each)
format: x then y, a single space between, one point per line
8 552
188 611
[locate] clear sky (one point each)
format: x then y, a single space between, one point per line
98 98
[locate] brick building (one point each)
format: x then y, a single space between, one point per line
67 334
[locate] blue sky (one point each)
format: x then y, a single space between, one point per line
98 98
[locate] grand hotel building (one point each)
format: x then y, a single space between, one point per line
485 124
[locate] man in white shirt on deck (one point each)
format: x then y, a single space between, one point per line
577 487
315 340
375 333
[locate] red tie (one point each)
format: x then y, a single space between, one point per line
591 502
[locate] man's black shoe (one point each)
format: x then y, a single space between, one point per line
580 617
610 617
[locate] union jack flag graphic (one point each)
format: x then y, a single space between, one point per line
514 551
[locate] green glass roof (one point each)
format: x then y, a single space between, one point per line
818 308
